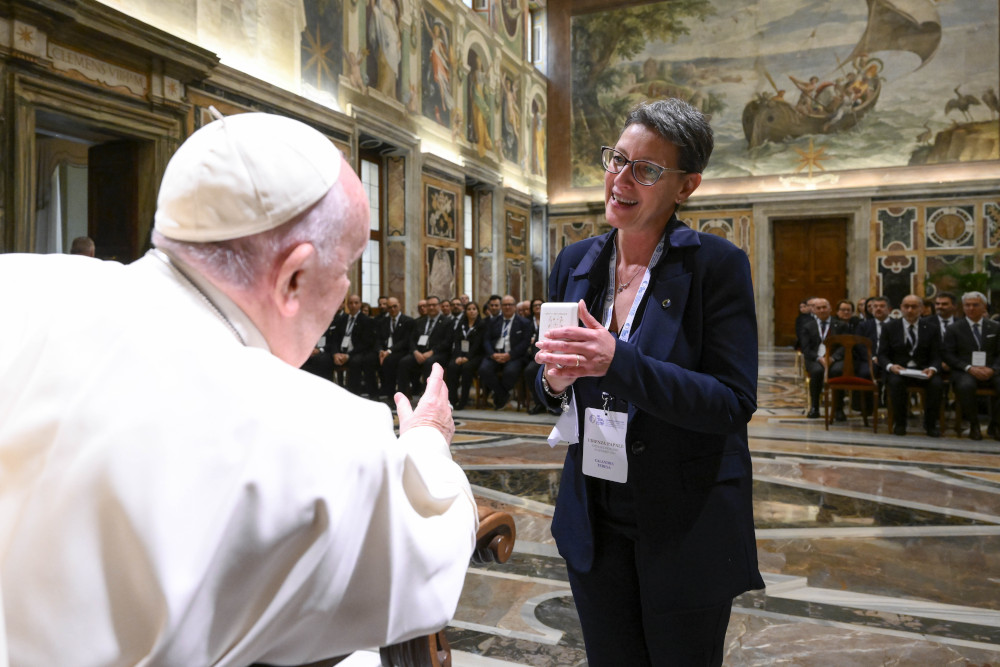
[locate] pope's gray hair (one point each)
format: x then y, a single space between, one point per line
243 262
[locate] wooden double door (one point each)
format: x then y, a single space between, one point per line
810 259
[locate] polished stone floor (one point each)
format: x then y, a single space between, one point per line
876 549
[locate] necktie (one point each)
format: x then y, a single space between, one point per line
975 334
911 338
823 327
392 325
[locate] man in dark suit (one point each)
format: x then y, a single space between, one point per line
805 315
354 347
912 344
945 306
430 343
872 326
507 338
320 362
394 345
972 351
813 349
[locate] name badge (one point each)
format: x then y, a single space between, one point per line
979 358
465 346
346 345
422 340
604 454
388 341
821 351
322 342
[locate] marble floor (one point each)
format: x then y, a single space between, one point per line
876 549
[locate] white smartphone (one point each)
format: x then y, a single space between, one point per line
555 315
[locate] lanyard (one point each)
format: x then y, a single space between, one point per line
506 328
350 326
609 297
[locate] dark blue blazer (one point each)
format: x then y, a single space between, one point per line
689 375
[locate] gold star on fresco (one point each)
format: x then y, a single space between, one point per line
811 158
27 36
317 51
172 88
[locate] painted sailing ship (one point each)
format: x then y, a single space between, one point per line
829 107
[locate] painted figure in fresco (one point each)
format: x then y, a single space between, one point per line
510 15
440 221
385 45
511 120
438 71
441 276
480 106
537 139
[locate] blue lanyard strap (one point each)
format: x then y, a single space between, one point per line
609 295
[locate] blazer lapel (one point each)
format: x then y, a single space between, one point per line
667 296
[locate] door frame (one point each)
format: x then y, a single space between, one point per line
162 129
857 210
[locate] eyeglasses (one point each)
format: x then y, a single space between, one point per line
643 171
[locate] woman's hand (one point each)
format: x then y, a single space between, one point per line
572 352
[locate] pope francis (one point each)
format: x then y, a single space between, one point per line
173 490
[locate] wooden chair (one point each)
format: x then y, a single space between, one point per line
494 544
849 380
800 370
988 392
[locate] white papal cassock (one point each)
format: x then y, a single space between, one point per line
171 496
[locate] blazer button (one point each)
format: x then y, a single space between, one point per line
638 447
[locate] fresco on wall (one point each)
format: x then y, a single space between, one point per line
538 137
440 269
479 104
797 87
438 61
385 47
321 48
508 22
440 207
510 116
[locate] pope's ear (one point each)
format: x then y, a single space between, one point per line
286 289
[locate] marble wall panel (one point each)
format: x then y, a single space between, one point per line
396 196
950 227
895 277
896 227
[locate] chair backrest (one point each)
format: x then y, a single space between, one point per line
852 345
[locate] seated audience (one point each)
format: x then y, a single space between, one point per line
845 313
320 361
814 334
805 315
530 365
972 351
912 344
466 355
430 343
355 348
394 345
506 343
